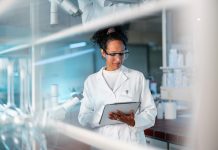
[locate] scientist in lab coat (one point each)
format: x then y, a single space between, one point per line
93 9
116 83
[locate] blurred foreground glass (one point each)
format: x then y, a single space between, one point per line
21 134
17 130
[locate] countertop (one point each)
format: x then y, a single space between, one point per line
171 131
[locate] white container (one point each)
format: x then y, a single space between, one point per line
10 69
53 102
178 78
160 111
180 60
173 58
185 81
170 79
170 110
54 90
164 79
54 96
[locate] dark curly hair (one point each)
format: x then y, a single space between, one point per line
102 37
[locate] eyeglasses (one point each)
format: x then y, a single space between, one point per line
123 54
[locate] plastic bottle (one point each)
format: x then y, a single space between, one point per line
160 110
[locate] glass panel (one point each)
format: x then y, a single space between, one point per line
46 55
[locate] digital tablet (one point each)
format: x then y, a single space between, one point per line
125 107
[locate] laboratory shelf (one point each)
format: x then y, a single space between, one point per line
176 68
171 68
176 93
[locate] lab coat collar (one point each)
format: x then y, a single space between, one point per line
120 80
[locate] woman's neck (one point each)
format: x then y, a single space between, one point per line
108 69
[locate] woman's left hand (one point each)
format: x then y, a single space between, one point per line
126 118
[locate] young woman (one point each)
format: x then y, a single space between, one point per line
116 83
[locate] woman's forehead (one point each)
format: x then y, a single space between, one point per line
115 45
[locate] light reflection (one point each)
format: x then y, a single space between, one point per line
198 19
5 5
59 58
18 129
16 141
3 137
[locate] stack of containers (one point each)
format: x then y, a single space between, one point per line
177 76
54 95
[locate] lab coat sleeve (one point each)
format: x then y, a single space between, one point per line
145 116
87 9
88 116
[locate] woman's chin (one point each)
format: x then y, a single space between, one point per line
115 67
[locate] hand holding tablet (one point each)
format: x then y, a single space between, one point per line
119 113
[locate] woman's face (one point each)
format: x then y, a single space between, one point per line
114 54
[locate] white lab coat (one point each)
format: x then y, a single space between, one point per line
93 9
97 94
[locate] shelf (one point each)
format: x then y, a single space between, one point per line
176 93
174 68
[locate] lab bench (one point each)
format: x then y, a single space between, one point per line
168 134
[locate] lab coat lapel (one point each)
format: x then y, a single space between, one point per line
104 84
121 78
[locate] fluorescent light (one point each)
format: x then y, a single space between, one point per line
77 45
59 58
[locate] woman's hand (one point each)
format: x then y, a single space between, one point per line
126 118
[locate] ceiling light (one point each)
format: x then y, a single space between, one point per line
77 45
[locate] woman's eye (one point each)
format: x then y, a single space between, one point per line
121 54
113 54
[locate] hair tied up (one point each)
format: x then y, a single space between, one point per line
110 30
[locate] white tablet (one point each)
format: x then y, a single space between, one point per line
126 107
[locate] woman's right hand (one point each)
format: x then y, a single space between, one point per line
120 116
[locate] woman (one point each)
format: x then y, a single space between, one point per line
116 83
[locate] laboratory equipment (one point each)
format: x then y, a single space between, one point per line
59 111
21 134
24 86
160 110
173 57
170 109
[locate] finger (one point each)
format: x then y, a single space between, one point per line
132 114
120 113
123 118
112 113
112 116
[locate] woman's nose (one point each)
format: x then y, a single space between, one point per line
118 58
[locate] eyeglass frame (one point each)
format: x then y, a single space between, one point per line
121 54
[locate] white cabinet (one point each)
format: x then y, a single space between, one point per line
163 145
156 143
176 147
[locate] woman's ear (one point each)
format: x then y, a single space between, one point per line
103 53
